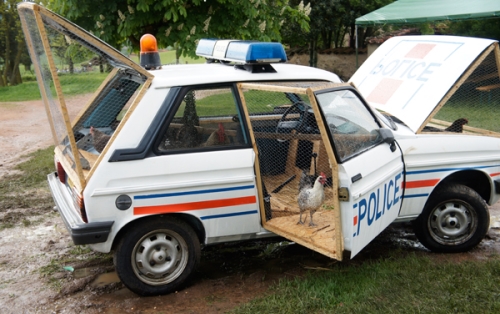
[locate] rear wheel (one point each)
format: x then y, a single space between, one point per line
455 219
157 256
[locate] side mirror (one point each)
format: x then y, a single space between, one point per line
388 137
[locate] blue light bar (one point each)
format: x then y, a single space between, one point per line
205 47
242 52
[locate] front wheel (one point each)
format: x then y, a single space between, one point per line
455 219
157 256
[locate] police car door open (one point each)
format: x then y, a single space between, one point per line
370 167
314 149
295 165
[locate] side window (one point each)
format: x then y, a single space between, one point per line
352 126
206 118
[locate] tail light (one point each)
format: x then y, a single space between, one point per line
61 174
81 205
75 195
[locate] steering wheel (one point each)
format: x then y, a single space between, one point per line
300 125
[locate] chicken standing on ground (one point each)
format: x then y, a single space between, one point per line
99 139
311 198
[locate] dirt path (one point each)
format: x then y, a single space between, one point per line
24 128
32 255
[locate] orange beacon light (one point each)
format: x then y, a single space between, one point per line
150 58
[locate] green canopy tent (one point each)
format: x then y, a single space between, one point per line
420 11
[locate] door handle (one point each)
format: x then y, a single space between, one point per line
356 178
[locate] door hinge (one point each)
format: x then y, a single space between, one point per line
344 194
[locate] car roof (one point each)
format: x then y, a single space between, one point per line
194 74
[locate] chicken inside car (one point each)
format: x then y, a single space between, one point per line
164 160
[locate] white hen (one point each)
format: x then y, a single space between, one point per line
311 198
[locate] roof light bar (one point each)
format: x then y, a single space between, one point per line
242 52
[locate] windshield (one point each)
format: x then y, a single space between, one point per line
352 126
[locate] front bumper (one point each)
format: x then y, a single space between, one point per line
81 232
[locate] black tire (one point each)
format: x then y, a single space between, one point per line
172 251
455 219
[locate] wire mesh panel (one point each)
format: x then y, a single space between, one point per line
294 165
78 81
42 67
475 105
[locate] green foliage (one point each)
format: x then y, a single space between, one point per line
489 28
13 50
402 283
330 20
426 29
180 22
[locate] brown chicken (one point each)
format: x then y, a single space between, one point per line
311 198
217 137
99 139
457 126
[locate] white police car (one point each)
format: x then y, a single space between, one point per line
164 161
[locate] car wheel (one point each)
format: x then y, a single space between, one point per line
455 219
157 256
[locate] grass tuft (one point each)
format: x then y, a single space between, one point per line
407 283
25 195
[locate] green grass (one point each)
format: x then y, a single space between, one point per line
168 57
72 84
221 104
81 83
401 283
480 115
34 172
23 92
25 196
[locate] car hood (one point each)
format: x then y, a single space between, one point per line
409 76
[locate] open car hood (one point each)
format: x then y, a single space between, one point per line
409 76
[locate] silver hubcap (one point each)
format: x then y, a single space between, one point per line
160 257
452 222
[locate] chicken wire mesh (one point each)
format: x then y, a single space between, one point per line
476 102
292 154
69 71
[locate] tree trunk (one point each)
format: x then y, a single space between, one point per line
101 65
313 53
339 35
15 76
71 65
352 36
6 59
177 54
326 38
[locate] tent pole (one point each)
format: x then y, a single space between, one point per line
356 35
